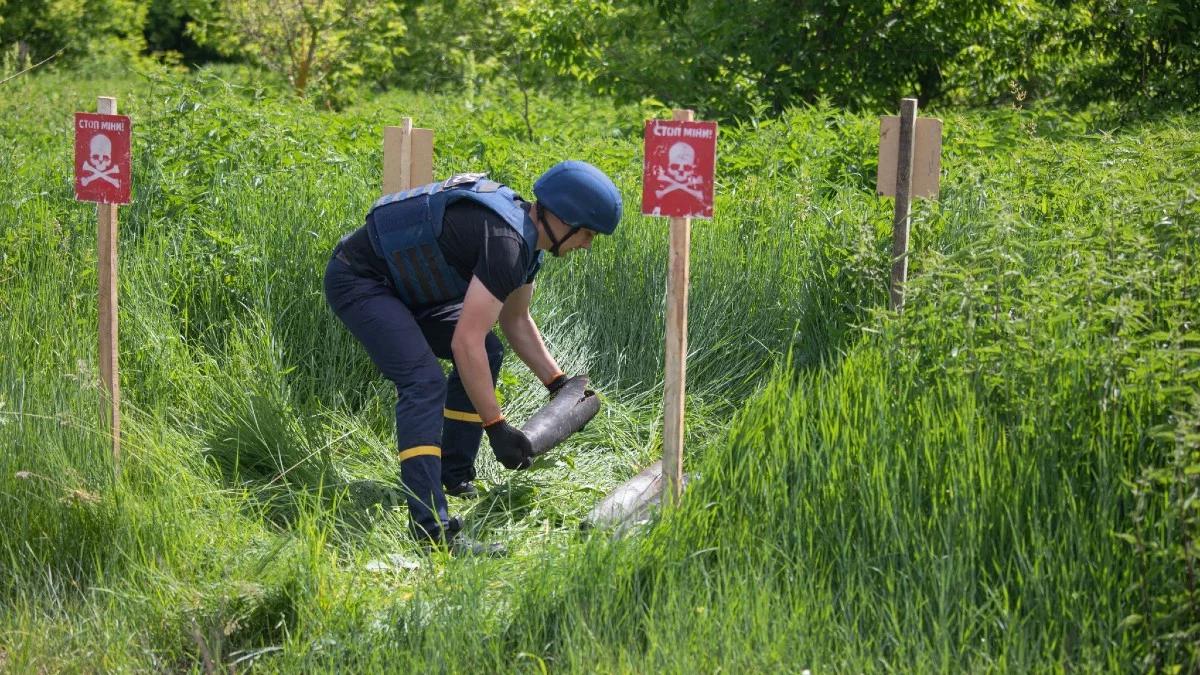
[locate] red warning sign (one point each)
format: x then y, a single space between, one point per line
677 175
102 164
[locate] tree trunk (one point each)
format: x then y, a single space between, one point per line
929 83
314 34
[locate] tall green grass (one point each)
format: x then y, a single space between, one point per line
992 480
953 495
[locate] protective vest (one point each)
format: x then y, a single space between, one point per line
404 228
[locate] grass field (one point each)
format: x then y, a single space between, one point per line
1002 478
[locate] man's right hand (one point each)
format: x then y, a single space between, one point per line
510 444
562 380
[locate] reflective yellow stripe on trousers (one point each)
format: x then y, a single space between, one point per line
421 451
462 416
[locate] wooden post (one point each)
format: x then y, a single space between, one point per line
397 157
406 153
904 167
106 258
407 157
676 348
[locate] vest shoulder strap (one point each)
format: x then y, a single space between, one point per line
502 200
458 181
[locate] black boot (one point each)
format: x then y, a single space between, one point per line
464 490
462 546
459 545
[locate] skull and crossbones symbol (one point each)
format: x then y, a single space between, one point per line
680 173
99 163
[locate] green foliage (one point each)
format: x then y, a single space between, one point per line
999 478
730 59
442 44
331 45
925 500
167 31
535 45
726 59
1164 540
558 38
1147 52
107 30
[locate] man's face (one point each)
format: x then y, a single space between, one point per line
581 239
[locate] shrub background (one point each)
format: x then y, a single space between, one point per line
724 59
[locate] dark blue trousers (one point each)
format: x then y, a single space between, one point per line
437 429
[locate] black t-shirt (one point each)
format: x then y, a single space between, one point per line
475 242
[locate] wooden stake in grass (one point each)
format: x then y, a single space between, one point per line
102 175
677 182
678 283
407 157
110 372
909 165
904 157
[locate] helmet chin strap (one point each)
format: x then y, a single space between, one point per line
555 242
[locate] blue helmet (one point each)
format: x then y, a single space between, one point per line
580 195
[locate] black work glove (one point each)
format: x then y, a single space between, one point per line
510 444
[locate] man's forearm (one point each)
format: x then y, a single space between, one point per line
526 341
476 374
